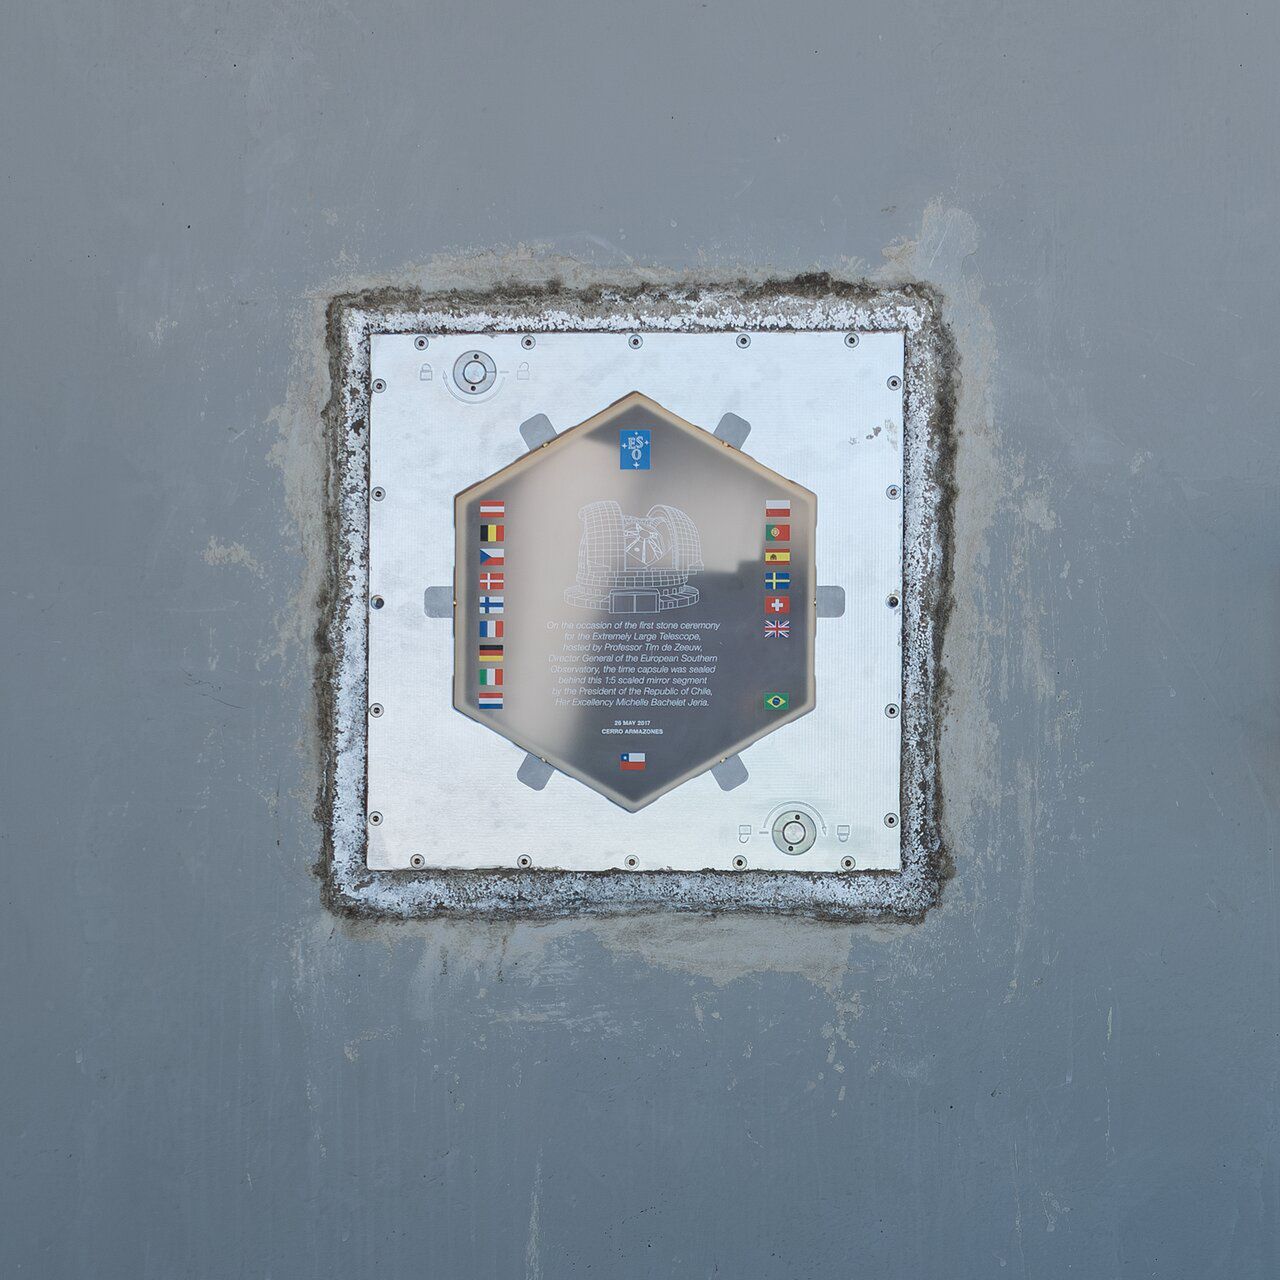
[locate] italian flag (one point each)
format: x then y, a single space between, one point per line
490 677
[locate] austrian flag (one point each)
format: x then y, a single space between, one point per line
493 510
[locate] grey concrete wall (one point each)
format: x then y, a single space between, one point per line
1069 1069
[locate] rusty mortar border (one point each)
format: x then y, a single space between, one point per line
807 302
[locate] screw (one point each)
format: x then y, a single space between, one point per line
376 602
847 864
633 861
420 343
379 384
527 341
744 339
375 819
892 601
524 860
739 862
375 709
378 493
417 861
892 711
893 491
635 341
850 339
890 819
895 382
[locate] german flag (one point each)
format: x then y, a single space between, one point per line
490 653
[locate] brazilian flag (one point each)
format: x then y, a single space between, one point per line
777 701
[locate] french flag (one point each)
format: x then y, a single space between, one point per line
631 760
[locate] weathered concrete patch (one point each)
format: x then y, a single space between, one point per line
817 301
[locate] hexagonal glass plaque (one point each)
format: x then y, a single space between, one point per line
634 602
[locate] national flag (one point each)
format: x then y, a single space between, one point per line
490 630
777 701
776 604
490 653
777 631
491 582
494 510
493 555
776 581
491 700
490 604
491 533
490 676
631 761
777 509
777 557
777 533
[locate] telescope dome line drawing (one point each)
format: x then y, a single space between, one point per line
635 564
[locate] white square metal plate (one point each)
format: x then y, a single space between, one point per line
825 414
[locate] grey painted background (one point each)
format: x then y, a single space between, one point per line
1069 1069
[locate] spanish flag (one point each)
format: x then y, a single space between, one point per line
772 556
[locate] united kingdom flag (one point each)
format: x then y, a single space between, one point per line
777 630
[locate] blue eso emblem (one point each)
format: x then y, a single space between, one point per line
633 450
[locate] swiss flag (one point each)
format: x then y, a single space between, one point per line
775 605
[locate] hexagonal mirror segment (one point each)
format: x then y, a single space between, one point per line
634 601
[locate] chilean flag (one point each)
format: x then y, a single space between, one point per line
631 760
